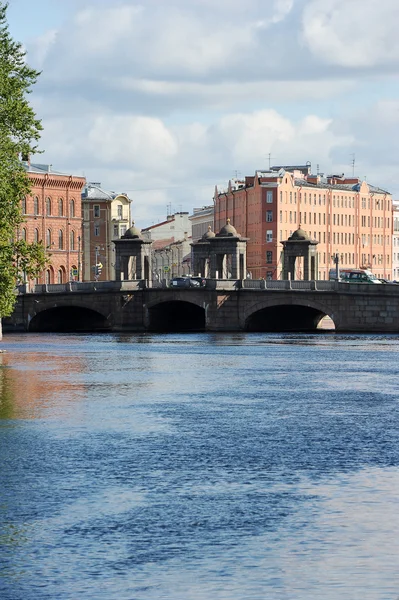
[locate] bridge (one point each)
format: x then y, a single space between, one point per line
222 305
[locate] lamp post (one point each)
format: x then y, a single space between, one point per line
335 258
79 259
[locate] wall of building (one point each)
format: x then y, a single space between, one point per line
106 216
201 219
347 217
53 215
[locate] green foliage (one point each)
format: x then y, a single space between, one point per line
19 134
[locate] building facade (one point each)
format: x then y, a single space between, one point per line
346 216
106 216
171 246
395 242
201 219
53 215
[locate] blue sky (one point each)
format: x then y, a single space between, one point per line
165 100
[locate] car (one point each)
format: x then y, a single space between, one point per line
200 280
185 282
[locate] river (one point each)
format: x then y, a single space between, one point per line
199 467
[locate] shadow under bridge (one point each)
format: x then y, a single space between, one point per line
176 315
69 319
289 317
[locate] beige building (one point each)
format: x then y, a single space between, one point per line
395 242
201 219
171 246
345 215
106 216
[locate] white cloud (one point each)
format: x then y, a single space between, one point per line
352 33
163 100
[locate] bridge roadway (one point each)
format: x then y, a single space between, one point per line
248 305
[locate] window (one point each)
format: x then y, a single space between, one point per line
269 256
269 235
36 236
72 240
281 216
48 206
60 239
48 276
60 207
72 208
96 230
123 230
116 231
35 205
23 206
269 196
269 216
96 211
48 237
120 214
59 276
23 234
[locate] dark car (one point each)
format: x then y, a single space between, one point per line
185 282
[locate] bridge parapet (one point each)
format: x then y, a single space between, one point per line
87 287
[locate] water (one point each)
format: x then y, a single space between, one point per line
196 467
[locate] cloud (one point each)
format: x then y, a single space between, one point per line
352 33
163 100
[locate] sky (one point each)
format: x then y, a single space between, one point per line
164 100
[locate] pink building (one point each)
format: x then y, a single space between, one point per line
344 214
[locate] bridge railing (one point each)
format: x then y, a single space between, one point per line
273 284
86 286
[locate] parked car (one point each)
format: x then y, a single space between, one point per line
200 280
185 282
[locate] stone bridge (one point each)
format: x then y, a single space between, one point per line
219 306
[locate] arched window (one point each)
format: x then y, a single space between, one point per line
60 207
36 235
48 206
60 239
23 206
35 205
72 208
48 276
59 276
72 241
48 238
23 234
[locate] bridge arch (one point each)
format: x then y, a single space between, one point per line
175 315
68 318
280 315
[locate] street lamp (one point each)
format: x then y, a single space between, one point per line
335 258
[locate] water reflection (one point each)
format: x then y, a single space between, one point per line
199 466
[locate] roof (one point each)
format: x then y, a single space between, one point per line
42 169
93 191
158 224
160 244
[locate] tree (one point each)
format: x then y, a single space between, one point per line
19 135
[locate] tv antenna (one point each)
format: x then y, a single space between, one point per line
353 161
270 159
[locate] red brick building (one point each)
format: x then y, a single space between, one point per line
53 215
343 214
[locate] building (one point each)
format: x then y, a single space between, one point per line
395 242
171 246
201 220
345 215
106 216
52 213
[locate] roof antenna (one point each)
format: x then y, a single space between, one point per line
353 163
